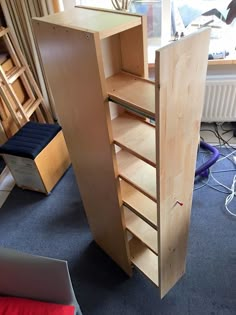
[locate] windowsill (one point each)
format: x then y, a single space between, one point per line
230 60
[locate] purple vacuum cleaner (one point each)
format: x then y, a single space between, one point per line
203 170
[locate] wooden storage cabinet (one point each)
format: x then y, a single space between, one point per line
135 176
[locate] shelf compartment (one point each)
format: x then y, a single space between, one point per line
141 205
136 136
144 259
143 231
132 92
137 173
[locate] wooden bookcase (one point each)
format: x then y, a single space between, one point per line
133 142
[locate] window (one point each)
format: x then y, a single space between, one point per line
166 17
211 13
151 8
95 3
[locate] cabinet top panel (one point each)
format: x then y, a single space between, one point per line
105 22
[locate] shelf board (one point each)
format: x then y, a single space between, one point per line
144 207
144 259
137 173
139 228
132 92
136 136
226 61
91 20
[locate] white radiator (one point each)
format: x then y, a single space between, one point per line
220 99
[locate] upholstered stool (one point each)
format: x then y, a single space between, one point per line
37 156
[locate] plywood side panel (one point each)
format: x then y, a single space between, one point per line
111 55
70 58
180 81
134 50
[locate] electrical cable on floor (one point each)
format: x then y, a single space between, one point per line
230 191
221 140
204 184
220 191
224 171
225 130
220 184
230 197
225 157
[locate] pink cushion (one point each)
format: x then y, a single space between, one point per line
20 306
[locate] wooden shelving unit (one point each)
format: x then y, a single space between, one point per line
144 259
136 136
133 92
143 206
132 142
137 173
140 229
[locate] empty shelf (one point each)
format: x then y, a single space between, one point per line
144 259
138 173
132 92
144 207
139 228
136 136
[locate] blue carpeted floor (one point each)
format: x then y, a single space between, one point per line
56 226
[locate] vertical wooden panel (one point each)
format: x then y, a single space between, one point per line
180 83
134 49
72 62
111 55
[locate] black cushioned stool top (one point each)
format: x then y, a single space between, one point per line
31 139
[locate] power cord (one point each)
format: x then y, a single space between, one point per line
230 197
230 191
204 184
221 140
